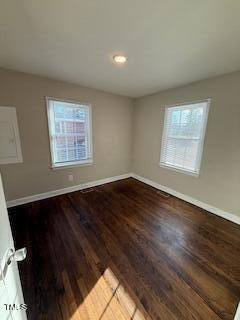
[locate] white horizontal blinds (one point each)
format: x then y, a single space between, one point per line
70 131
183 136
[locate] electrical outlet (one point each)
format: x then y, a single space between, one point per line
70 177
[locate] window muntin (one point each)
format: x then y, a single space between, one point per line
70 132
183 136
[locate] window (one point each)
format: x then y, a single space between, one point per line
183 136
69 132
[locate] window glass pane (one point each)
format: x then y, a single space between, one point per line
70 131
183 136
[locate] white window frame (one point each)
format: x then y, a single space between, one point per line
59 165
201 145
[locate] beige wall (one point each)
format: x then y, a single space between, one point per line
112 132
126 138
219 180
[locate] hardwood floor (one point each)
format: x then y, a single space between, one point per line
124 251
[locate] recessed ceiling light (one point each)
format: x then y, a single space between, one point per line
119 59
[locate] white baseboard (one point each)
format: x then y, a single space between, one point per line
53 193
226 215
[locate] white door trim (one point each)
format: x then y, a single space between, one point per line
237 315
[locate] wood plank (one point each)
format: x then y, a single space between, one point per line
123 251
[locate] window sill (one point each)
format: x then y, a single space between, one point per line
190 173
65 165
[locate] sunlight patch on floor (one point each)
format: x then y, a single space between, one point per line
107 300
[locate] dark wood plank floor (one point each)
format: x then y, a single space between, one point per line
123 251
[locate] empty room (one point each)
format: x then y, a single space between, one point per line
119 160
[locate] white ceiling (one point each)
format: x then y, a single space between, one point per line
168 42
